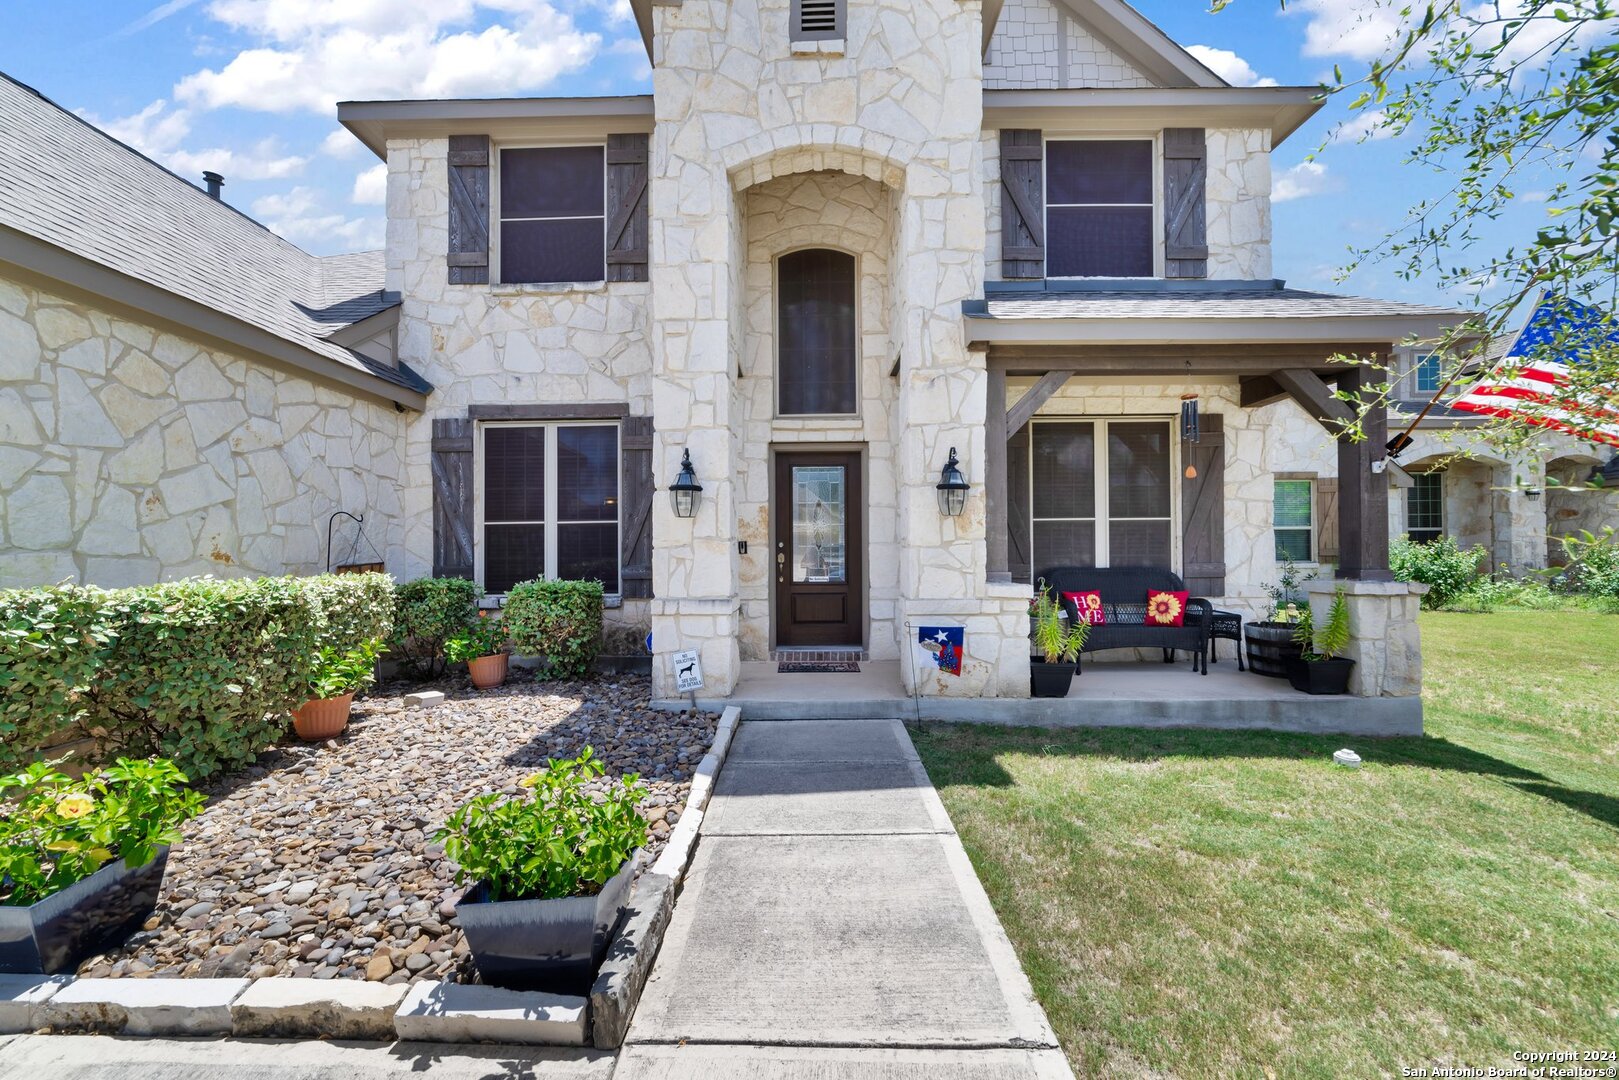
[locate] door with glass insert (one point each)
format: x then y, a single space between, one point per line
818 559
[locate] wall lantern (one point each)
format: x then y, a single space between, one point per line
1532 492
685 491
952 488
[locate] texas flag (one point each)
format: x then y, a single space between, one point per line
943 646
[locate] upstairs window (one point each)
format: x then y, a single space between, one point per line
816 365
1099 204
552 215
1425 376
817 20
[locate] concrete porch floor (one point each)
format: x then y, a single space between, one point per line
1105 694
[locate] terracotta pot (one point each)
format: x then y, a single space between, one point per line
488 672
322 718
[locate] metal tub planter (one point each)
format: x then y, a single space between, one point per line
57 933
550 945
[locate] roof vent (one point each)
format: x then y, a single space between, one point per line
214 182
817 20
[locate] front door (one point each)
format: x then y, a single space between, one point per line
819 552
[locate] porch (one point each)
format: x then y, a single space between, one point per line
1106 694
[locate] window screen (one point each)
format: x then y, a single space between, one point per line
1100 493
1099 204
552 221
1294 503
1425 507
550 504
816 353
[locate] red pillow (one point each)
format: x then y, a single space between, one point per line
1166 608
1087 606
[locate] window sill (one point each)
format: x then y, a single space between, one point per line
497 601
828 47
560 288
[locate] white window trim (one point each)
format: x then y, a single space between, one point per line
1103 553
1417 357
859 338
1408 526
550 524
1155 138
1313 529
497 223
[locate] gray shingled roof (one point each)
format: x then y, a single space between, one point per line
1173 303
72 185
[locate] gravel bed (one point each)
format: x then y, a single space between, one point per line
318 860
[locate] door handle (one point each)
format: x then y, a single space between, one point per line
781 568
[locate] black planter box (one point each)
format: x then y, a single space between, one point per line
1320 676
550 945
1271 648
1050 680
89 916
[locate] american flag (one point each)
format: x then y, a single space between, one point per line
1531 383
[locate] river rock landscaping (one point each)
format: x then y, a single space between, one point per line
318 860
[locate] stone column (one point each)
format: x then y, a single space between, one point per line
1519 522
1384 640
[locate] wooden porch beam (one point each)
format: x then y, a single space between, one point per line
1311 391
1029 403
1259 390
1363 495
1192 359
997 563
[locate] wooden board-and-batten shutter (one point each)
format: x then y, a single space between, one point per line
1023 205
468 255
1326 525
1203 510
636 490
1018 518
628 222
452 498
1186 241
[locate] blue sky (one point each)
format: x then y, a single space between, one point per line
246 87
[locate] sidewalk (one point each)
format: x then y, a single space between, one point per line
831 926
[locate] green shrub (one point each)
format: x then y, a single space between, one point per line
60 830
1054 642
559 841
558 620
486 636
1441 564
201 671
343 671
1593 563
428 612
1330 639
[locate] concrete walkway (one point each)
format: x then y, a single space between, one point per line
832 927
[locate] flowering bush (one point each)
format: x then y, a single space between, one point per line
55 830
560 841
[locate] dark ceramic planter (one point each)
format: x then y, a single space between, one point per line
1271 648
550 945
89 916
1320 676
1050 680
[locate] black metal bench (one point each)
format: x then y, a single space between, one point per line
1124 607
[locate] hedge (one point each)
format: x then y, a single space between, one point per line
427 613
560 621
202 671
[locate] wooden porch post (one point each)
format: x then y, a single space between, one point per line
995 434
1363 496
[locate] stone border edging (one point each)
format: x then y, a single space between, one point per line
284 1007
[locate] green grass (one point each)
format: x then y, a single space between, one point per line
1232 904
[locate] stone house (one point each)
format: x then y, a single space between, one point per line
841 242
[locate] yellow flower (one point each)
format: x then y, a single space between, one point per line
530 781
75 806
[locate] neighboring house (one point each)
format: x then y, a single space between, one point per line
840 240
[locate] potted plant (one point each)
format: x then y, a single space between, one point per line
1322 669
1270 642
337 678
1051 669
81 861
549 873
482 647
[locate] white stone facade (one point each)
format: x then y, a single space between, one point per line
130 455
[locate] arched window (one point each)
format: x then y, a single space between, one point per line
816 367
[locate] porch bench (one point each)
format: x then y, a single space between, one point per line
1124 607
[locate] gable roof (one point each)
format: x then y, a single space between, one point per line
80 208
1138 39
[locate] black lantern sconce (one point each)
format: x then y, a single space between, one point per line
685 492
952 487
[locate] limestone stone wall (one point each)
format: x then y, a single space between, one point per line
130 454
1572 507
1037 45
496 344
853 214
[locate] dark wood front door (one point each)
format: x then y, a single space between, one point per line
820 552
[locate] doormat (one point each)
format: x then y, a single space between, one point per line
807 667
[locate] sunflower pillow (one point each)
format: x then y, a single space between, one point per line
1165 608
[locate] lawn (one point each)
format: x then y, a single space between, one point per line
1222 904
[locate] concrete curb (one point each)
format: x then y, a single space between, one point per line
21 997
143 1006
624 973
288 1008
455 1012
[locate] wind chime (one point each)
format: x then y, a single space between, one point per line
1189 432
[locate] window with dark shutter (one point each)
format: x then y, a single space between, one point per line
552 214
816 368
550 504
817 20
1099 205
1099 492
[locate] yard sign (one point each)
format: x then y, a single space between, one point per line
688 672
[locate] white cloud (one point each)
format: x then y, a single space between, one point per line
314 53
301 216
1368 126
371 186
341 143
1358 29
1229 66
159 129
1301 181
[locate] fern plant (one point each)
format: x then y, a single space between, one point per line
1057 643
1331 639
